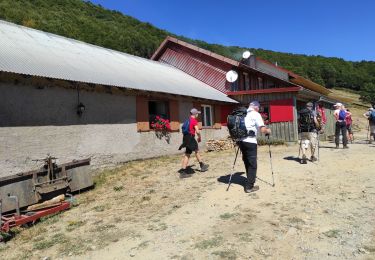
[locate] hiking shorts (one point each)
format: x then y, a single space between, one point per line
309 139
190 144
349 128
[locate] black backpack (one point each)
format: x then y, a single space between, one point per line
236 124
371 118
306 120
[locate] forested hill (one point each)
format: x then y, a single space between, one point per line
93 24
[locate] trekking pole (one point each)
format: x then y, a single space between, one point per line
318 145
235 159
269 150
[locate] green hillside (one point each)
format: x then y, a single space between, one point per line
93 24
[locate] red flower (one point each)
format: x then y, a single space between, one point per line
161 124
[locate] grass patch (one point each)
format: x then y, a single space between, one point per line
75 247
52 219
265 141
99 208
333 233
3 247
24 255
4 237
58 238
245 237
103 177
230 254
209 243
72 225
118 188
109 236
228 215
146 198
103 228
296 222
159 227
369 248
31 233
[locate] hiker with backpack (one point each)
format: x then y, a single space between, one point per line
370 115
349 122
321 117
189 130
244 125
308 124
340 127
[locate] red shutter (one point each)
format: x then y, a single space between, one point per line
143 124
281 110
225 111
174 115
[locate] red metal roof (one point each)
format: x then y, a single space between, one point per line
164 45
210 67
210 74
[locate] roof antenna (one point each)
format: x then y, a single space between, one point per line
246 55
231 76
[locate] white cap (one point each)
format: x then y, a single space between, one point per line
194 111
337 105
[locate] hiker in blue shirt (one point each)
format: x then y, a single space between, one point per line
340 127
370 115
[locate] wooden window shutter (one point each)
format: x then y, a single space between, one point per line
143 124
217 117
174 115
198 106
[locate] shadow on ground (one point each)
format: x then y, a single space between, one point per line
237 178
292 158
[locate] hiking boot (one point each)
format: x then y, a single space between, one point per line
304 159
346 147
313 158
204 167
337 146
250 188
185 175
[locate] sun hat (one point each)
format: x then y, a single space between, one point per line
194 111
337 105
254 103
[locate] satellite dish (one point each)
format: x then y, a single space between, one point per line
231 76
246 55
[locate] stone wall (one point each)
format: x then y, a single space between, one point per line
38 121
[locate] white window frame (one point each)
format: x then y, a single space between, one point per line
204 118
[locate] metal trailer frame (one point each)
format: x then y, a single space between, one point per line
43 184
9 221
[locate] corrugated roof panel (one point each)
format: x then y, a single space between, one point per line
199 69
32 52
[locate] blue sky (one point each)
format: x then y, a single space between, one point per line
332 28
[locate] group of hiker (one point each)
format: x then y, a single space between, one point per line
312 122
252 123
245 125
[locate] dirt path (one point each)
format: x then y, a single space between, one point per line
144 211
